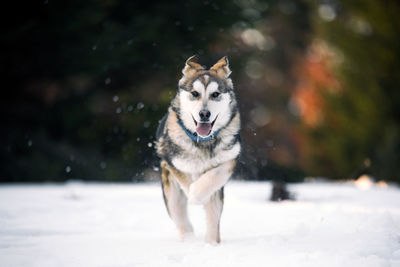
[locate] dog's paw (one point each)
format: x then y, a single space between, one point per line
186 232
193 200
195 195
187 237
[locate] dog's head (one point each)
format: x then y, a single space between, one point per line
206 98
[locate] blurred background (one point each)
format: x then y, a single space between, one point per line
84 84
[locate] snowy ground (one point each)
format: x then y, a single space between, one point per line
127 225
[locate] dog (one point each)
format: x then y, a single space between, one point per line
198 143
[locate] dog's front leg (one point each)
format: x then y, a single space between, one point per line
213 208
210 182
183 180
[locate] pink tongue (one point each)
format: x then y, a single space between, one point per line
203 129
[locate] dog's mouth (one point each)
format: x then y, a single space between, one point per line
204 128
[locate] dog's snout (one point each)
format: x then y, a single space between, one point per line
204 115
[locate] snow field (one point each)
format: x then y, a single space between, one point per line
80 224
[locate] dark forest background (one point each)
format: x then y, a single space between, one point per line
84 84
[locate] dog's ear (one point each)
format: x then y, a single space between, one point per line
191 66
221 68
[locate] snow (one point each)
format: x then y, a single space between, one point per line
80 224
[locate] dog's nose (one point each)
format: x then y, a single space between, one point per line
204 115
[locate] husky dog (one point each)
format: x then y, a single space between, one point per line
198 143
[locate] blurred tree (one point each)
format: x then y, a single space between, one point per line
347 95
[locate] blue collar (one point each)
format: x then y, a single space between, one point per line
195 137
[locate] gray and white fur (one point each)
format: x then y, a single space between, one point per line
198 143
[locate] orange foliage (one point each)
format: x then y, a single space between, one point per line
314 74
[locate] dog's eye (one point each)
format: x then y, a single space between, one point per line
215 94
195 94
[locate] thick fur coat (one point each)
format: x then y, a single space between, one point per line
198 143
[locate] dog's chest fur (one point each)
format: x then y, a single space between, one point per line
194 160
